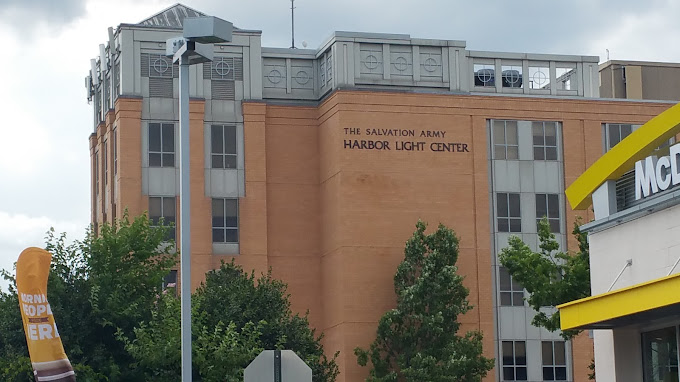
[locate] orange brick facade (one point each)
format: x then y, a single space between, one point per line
331 220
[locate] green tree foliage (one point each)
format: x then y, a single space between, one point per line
118 324
105 284
417 341
235 317
550 276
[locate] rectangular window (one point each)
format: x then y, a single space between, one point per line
115 151
170 281
545 140
565 78
106 164
512 292
163 207
514 361
615 133
539 77
223 146
225 220
660 355
485 75
554 361
548 205
96 172
505 141
508 211
161 145
512 76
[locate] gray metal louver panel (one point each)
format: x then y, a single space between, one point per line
223 90
160 87
206 70
238 69
116 80
160 66
224 68
625 191
145 64
107 93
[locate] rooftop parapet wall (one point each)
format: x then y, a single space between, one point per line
345 60
397 61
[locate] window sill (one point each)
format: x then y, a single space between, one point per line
225 248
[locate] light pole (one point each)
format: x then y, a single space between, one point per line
194 47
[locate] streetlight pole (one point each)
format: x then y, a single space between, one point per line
185 217
194 47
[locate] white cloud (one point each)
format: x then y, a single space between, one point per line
46 120
19 231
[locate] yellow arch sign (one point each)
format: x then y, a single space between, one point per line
622 157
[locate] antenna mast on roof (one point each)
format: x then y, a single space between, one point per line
292 24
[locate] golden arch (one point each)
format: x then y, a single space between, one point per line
622 157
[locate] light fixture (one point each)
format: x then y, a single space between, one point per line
193 47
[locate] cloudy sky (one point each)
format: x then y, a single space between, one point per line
47 45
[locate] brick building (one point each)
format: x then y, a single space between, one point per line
318 163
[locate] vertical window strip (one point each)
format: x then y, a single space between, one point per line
508 211
96 172
163 207
225 220
511 291
545 140
223 146
553 354
161 145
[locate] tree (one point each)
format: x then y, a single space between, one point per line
235 317
417 341
118 324
550 276
103 285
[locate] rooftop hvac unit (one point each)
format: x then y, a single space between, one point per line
512 79
485 77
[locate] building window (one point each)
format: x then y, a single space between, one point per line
566 78
223 143
660 355
615 133
539 77
115 151
545 140
161 145
485 75
106 163
163 207
505 142
96 173
514 361
554 361
170 281
225 220
512 76
512 292
548 205
508 212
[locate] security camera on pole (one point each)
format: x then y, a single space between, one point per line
193 47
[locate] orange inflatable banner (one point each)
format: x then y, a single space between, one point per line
44 344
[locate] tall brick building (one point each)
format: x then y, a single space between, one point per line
317 163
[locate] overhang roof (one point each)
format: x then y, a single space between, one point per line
622 157
635 304
171 17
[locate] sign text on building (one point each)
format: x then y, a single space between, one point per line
654 174
400 140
